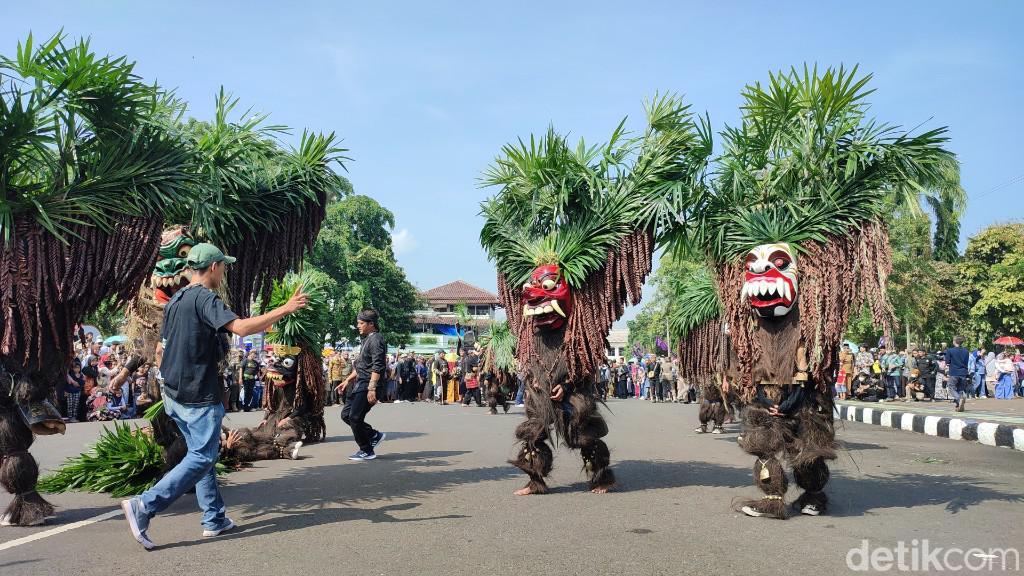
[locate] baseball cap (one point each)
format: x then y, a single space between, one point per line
204 254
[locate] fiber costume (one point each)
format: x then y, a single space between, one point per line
792 223
272 439
87 175
498 347
572 232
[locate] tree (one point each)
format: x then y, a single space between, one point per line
354 250
992 272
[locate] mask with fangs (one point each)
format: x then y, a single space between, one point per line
771 280
169 273
283 369
546 298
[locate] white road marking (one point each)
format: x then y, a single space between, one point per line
59 529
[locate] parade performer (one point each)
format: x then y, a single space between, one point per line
572 232
498 347
87 176
295 380
793 224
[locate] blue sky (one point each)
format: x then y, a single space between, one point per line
425 93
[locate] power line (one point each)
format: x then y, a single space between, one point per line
1012 181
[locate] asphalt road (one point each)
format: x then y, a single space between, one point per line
438 500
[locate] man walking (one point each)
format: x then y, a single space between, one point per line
957 358
361 385
193 342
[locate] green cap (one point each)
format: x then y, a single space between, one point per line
203 255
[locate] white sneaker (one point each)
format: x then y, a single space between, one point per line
751 512
212 533
295 450
810 510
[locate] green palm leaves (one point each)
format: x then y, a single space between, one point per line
308 326
695 301
499 346
83 140
569 205
806 163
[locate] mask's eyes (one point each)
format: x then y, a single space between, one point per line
780 260
183 251
548 284
288 362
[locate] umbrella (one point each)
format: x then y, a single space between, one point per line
114 340
1008 341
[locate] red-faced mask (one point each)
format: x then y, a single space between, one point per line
546 298
771 284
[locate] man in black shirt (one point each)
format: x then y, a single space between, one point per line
193 342
370 368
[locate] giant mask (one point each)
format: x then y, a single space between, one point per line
170 274
282 371
546 298
771 281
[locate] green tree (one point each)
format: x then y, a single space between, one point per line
992 273
354 250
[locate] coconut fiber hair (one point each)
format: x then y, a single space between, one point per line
593 211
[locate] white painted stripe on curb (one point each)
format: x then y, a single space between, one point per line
907 421
956 428
59 529
987 433
851 414
931 425
1018 439
865 415
886 418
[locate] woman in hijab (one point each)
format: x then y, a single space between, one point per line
990 373
1005 379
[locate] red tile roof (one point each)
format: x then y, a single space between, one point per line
459 291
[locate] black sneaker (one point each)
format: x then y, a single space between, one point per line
378 439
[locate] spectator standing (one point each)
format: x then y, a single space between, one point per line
472 387
663 375
957 358
73 387
334 376
250 373
976 371
439 371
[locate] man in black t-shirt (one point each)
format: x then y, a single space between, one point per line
193 342
360 387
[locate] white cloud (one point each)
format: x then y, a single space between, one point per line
402 241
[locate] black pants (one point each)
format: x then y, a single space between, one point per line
232 394
472 394
354 414
248 385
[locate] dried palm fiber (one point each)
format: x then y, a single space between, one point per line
699 351
309 393
837 277
46 286
265 256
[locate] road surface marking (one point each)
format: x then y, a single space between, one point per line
59 529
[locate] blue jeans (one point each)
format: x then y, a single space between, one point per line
979 387
200 425
520 392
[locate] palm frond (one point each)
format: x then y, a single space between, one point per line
307 327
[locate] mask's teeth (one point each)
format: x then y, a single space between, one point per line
526 310
557 308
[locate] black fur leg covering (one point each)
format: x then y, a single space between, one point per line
812 478
493 398
704 414
815 437
771 479
535 457
19 471
596 462
711 412
764 435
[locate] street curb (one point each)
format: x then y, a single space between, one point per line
988 433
